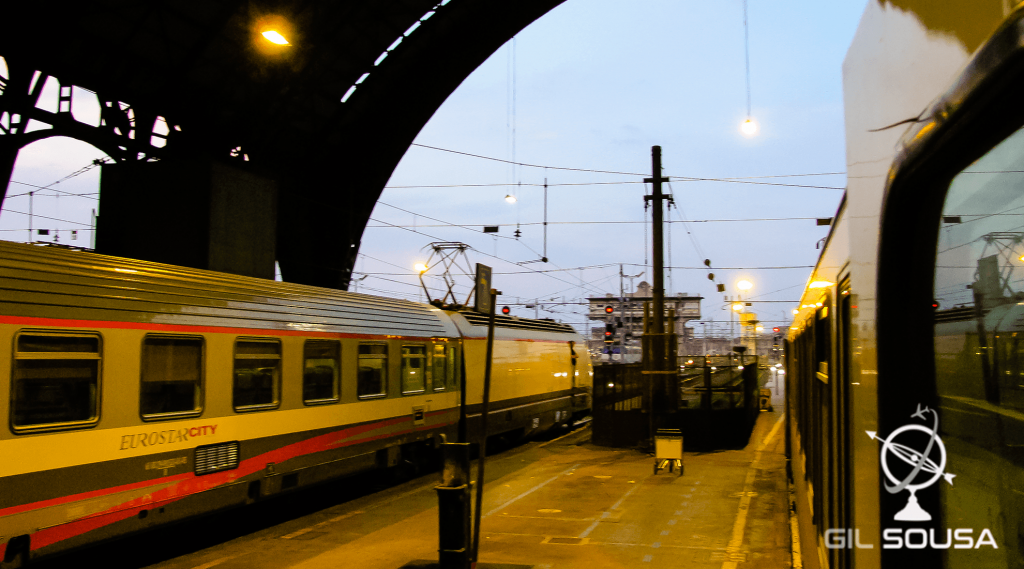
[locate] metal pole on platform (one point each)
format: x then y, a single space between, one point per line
655 349
483 427
659 258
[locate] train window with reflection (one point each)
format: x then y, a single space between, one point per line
439 365
372 377
414 369
172 374
257 374
453 368
979 344
55 381
321 372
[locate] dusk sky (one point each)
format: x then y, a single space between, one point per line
596 84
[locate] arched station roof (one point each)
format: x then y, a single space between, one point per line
329 116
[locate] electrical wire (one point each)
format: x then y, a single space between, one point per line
50 218
682 178
475 249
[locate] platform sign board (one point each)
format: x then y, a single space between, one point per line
483 289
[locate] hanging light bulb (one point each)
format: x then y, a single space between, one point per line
273 36
749 127
510 198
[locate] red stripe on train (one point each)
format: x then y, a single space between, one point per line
183 485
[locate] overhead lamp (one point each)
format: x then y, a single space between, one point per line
744 285
421 267
273 36
737 307
749 128
510 198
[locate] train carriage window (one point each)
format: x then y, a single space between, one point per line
372 378
55 381
978 281
321 372
979 314
439 363
414 369
257 374
172 372
453 368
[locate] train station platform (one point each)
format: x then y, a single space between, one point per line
568 503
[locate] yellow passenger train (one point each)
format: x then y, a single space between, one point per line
138 393
906 356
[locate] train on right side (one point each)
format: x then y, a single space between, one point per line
905 359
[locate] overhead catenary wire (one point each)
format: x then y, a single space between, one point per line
681 178
605 222
477 250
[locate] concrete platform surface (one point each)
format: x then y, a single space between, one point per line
579 505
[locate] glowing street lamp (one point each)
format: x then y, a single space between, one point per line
421 268
275 37
737 306
744 285
510 198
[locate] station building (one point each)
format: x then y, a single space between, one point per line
627 316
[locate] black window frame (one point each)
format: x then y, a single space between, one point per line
276 383
200 396
337 372
17 356
438 384
386 356
425 359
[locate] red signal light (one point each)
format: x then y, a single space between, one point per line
775 329
608 309
505 310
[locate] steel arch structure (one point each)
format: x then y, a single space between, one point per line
328 117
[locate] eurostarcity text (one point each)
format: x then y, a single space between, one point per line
155 438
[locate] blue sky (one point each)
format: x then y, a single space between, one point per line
597 83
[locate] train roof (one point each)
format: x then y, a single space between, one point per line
501 321
52 282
